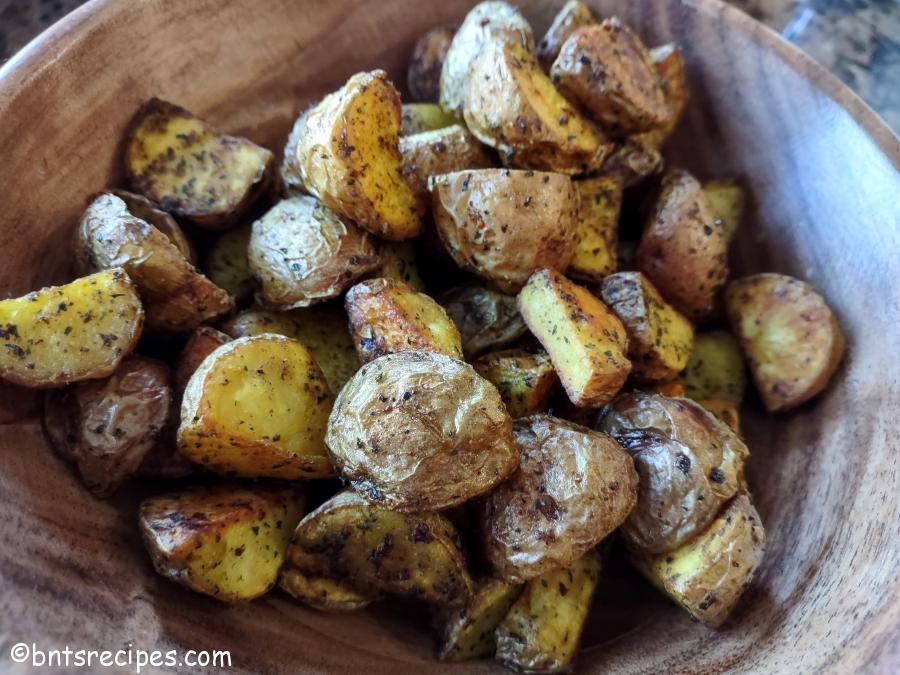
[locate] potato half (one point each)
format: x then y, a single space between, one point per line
599 204
423 75
486 318
573 15
469 631
525 380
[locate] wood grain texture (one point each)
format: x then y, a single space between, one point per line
822 172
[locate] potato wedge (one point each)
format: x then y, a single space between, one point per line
398 263
423 75
289 170
195 304
486 319
790 336
388 316
190 169
573 15
63 334
504 225
227 266
202 342
660 339
418 117
525 380
227 542
668 61
257 407
469 631
716 368
708 575
586 341
726 199
372 550
600 200
349 158
540 634
141 207
322 593
302 252
725 411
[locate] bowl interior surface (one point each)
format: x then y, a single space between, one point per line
822 173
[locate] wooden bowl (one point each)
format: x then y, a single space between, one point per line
822 170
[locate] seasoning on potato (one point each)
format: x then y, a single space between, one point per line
399 263
468 632
573 15
322 593
418 117
227 265
716 368
486 319
525 380
423 75
419 431
599 203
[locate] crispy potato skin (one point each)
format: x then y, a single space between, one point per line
302 252
107 427
690 465
708 575
599 204
573 15
398 262
423 75
469 631
190 169
572 488
224 541
716 368
726 199
525 380
141 207
790 336
503 225
486 319
63 334
372 550
257 407
419 431
586 341
289 171
322 593
202 342
227 265
349 157
418 117
683 248
388 316
660 339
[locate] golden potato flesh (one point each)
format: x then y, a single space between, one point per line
190 169
349 157
419 431
423 75
726 199
469 631
141 207
322 593
573 15
227 265
257 407
302 252
418 117
486 319
398 262
227 542
790 336
600 200
690 465
725 411
202 342
716 368
525 380
289 171
586 341
573 487
503 224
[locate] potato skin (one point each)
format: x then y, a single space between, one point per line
486 319
289 170
419 431
503 224
202 342
572 488
423 75
690 465
790 336
141 207
525 380
198 302
303 252
573 15
418 117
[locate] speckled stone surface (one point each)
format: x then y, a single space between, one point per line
859 40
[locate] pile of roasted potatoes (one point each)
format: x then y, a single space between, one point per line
443 304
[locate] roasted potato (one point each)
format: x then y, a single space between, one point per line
141 207
599 200
388 316
671 388
503 225
63 334
606 69
486 22
322 593
227 542
690 465
289 171
716 368
525 380
683 248
227 265
190 169
725 411
660 339
540 634
107 427
573 15
708 575
790 336
203 342
198 302
572 488
257 407
302 252
418 117
373 550
726 199
632 160
423 75
486 319
512 106
668 62
586 341
349 158
468 632
419 431
398 262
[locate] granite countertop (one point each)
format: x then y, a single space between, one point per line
859 40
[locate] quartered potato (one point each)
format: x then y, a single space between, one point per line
257 407
63 334
228 542
419 431
573 15
349 158
322 593
388 316
289 171
586 341
660 339
418 117
573 487
141 207
197 303
398 263
227 266
716 368
486 319
725 411
540 634
423 75
202 342
469 631
525 380
107 427
372 550
708 575
189 168
302 252
600 200
790 336
726 199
